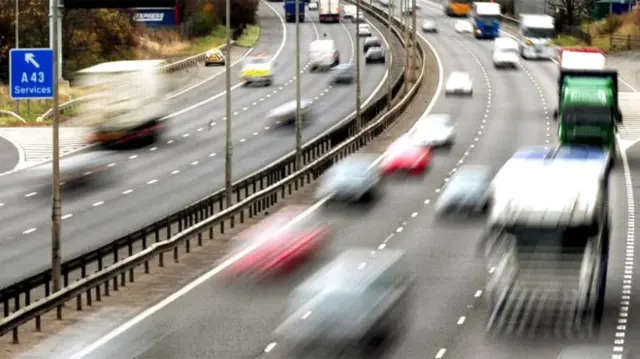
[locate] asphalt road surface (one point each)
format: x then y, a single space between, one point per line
188 163
9 155
509 109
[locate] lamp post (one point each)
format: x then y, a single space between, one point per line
228 156
390 52
56 260
358 89
297 77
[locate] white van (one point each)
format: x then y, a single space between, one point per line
323 54
349 11
535 35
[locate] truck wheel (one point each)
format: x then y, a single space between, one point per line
555 114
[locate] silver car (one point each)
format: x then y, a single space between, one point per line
358 299
364 30
467 191
591 351
374 55
429 25
286 113
75 169
434 130
371 41
355 178
342 74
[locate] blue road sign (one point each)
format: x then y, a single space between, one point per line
31 74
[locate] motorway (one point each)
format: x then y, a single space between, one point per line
509 109
188 164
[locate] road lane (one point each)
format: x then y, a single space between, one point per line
92 225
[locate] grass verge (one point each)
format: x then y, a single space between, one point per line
250 36
28 111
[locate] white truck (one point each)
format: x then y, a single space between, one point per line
329 11
547 245
535 35
127 101
349 11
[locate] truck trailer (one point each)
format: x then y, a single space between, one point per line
329 11
126 103
290 10
588 112
547 244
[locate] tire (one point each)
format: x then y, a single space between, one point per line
269 83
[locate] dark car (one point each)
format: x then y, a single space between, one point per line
375 55
371 41
358 299
342 74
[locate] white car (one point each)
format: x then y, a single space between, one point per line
384 2
286 113
459 83
364 30
463 26
313 6
433 130
502 59
429 25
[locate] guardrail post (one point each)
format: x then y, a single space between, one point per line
14 334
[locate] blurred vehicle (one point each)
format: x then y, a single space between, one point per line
257 69
374 55
343 74
384 2
463 26
290 10
459 83
433 130
457 7
364 30
466 191
429 25
349 11
592 351
75 169
485 17
323 54
286 113
358 19
329 11
548 233
214 57
278 243
536 36
355 178
506 53
117 112
358 299
404 155
313 6
371 41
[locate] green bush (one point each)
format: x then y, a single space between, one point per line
203 24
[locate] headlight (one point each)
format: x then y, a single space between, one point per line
529 43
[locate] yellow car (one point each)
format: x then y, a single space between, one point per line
257 69
214 57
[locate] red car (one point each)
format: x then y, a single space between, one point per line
406 156
279 243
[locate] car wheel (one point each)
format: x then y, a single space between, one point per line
268 83
206 64
246 84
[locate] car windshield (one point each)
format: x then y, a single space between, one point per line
587 115
539 236
342 68
508 50
257 60
486 18
458 77
538 33
350 169
467 179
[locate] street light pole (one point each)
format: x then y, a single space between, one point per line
297 77
407 69
358 115
414 44
56 260
17 24
228 156
390 52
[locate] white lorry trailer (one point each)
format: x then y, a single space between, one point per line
329 11
127 101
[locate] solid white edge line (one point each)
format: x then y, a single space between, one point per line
278 52
184 290
220 94
219 268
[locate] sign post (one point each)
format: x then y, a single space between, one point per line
31 74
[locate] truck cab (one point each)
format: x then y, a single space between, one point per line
117 111
535 35
485 17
